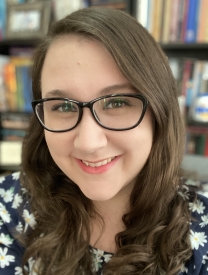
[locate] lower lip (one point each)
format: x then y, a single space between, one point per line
96 170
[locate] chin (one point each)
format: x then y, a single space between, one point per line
98 197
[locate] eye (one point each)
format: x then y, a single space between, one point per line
114 103
65 107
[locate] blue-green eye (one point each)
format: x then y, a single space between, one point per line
65 107
116 103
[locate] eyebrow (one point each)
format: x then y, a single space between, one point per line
102 92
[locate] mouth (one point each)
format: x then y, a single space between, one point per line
99 163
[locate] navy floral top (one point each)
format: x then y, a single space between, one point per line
15 214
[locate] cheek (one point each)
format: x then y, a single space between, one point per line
58 143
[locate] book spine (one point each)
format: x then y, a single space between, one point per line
206 147
181 11
27 90
142 12
3 13
174 20
185 20
192 21
200 144
157 20
166 25
201 24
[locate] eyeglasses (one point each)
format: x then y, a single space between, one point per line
118 112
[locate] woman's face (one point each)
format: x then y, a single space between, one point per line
81 69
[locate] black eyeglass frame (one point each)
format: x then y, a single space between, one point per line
89 105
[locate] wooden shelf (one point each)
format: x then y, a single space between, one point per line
25 43
190 50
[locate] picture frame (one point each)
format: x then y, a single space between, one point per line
28 20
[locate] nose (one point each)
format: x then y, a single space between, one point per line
90 136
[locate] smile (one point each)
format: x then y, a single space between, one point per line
98 164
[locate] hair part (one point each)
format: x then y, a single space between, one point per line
157 229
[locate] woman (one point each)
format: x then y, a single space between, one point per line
101 159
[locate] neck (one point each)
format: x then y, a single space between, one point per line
111 211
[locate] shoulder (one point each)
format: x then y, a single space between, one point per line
14 203
198 263
11 224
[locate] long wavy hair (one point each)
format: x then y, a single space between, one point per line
156 235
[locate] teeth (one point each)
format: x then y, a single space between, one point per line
98 164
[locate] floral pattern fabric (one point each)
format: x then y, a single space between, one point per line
15 217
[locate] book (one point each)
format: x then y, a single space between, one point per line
142 12
197 74
166 20
10 152
3 13
149 16
184 21
181 15
202 22
27 88
206 147
204 79
3 100
200 144
157 15
10 85
192 21
15 120
12 134
174 21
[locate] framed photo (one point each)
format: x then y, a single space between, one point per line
30 20
124 5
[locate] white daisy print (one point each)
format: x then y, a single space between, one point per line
205 258
4 214
7 195
5 239
19 227
184 269
1 223
197 206
107 257
184 193
24 190
193 182
16 175
4 258
34 266
17 201
29 219
18 271
197 239
204 221
97 258
2 179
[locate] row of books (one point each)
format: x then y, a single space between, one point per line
13 125
183 21
192 79
15 82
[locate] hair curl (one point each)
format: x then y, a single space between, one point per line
156 237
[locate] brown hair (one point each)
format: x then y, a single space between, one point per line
156 237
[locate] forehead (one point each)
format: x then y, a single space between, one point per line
79 65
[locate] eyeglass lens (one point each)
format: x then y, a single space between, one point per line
111 112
